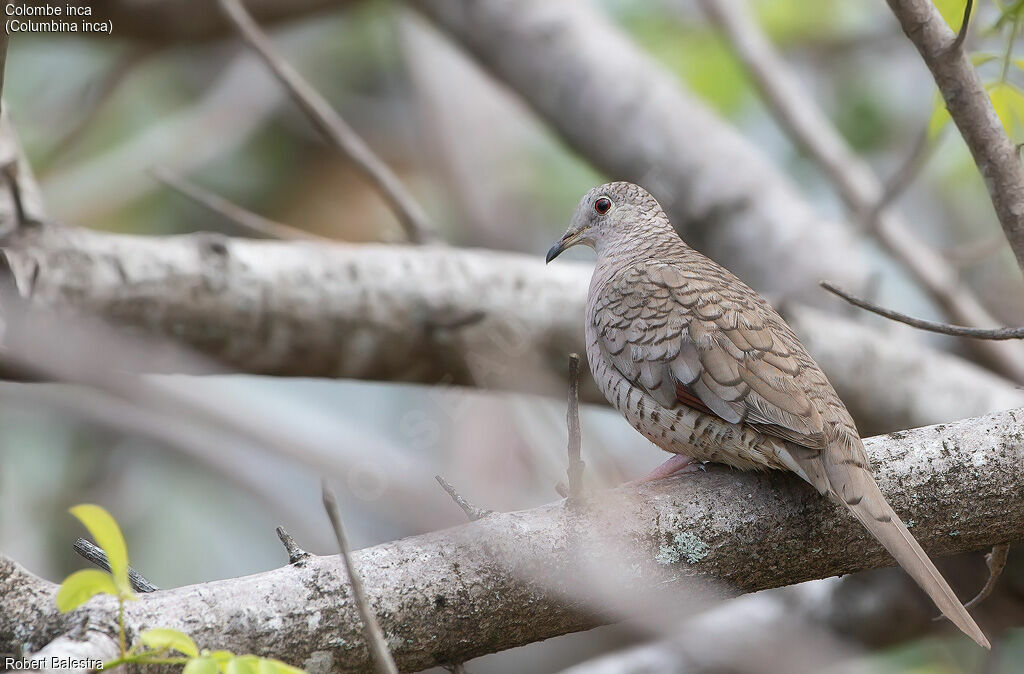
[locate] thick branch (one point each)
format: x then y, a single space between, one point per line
972 112
795 110
399 313
632 119
514 578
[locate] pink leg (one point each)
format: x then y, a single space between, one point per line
677 463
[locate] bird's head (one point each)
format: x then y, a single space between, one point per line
608 215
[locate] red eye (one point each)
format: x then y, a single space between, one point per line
603 205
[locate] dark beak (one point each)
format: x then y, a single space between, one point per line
567 241
555 251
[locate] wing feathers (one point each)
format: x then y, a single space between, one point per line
668 329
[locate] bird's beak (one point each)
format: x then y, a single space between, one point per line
565 242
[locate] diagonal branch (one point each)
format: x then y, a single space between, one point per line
379 652
515 578
795 110
410 214
921 324
971 111
243 218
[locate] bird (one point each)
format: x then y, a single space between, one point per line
703 366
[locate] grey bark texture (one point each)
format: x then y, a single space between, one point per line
514 578
399 313
972 112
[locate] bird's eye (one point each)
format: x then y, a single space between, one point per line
603 205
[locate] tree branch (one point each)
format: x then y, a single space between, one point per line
971 110
720 190
243 218
477 588
320 113
400 313
795 110
381 657
921 324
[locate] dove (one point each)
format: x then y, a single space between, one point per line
702 366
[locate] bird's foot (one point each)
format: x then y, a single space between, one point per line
677 464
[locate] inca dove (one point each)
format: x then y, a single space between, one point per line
703 367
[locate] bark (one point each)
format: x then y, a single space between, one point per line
971 110
514 578
431 315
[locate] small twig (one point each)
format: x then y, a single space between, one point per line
94 553
472 512
410 214
962 34
802 119
243 218
295 553
374 636
930 326
971 110
903 178
995 560
572 420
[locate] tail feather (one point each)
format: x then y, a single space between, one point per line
845 476
878 517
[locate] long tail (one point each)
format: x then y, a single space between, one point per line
857 490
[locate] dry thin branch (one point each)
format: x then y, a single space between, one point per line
964 26
409 213
382 659
295 553
572 419
908 170
971 111
995 560
515 578
859 188
472 512
94 553
242 217
921 324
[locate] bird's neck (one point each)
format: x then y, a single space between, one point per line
653 242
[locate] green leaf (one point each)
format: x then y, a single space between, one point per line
243 664
205 665
108 536
1008 102
952 11
940 117
81 586
1010 13
161 639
